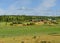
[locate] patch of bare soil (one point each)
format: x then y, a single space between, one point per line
31 39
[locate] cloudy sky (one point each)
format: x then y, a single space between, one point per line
30 7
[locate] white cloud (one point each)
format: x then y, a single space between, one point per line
45 5
23 5
19 4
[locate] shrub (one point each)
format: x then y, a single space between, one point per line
43 41
27 24
22 41
24 24
19 22
11 24
49 42
14 22
55 22
31 23
45 22
34 37
13 38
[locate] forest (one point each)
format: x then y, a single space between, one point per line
11 18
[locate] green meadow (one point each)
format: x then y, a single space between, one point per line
6 30
29 29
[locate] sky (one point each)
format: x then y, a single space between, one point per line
30 7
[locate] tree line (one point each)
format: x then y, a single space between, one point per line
22 18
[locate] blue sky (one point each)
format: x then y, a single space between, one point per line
30 7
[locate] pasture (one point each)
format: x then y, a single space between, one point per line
25 34
7 30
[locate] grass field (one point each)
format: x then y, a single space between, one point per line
46 32
28 30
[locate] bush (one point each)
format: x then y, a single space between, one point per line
24 24
45 22
27 24
31 23
22 41
54 22
14 22
43 41
19 22
49 42
34 37
11 24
